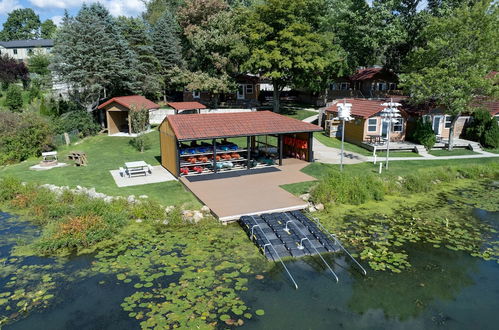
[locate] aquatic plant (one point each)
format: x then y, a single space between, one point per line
436 220
186 278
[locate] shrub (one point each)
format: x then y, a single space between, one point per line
80 120
484 129
14 98
139 120
423 134
141 142
23 136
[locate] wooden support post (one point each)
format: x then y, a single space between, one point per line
178 157
215 155
310 147
248 147
279 138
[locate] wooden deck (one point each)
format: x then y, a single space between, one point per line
255 192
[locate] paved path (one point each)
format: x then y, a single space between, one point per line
328 155
311 118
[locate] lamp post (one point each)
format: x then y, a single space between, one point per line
344 115
390 114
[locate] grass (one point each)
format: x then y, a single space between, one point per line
382 154
104 154
297 113
455 152
494 151
396 168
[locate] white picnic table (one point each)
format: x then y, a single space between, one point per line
138 167
50 155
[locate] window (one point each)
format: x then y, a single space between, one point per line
334 87
497 118
393 86
30 51
380 86
372 125
448 121
249 89
196 94
15 51
398 126
344 86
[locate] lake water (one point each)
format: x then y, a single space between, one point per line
443 289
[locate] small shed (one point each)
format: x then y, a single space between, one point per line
187 107
194 144
117 112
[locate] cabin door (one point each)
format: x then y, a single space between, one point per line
384 128
240 92
436 124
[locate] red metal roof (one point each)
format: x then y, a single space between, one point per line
220 125
367 73
137 101
186 105
360 107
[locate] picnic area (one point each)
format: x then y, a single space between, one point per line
103 155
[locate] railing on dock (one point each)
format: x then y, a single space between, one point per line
337 241
304 237
273 248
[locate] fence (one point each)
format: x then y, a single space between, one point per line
66 138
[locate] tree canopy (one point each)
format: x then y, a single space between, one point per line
288 44
47 29
451 69
21 24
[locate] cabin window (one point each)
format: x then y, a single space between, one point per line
333 87
249 89
393 86
372 125
448 121
344 86
381 86
398 126
196 94
15 51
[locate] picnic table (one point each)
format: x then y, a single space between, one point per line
374 139
49 156
137 168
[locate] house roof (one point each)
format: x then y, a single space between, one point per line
364 74
186 105
491 105
137 101
27 43
221 125
360 107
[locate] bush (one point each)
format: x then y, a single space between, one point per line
14 98
484 129
141 142
23 136
80 120
423 134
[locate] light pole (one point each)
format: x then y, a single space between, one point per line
390 114
344 115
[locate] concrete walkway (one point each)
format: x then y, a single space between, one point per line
311 118
431 157
328 155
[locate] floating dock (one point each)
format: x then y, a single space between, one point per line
287 234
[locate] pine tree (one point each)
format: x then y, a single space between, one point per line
92 56
136 33
166 41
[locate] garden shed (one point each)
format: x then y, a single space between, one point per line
117 112
186 107
195 144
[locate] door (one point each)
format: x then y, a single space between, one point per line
436 124
384 128
240 92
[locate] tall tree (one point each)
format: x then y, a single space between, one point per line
92 57
21 24
288 46
155 9
213 45
166 46
451 68
47 29
136 33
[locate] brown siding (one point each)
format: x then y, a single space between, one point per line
168 147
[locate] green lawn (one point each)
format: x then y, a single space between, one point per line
396 168
494 151
382 154
455 152
104 154
297 113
